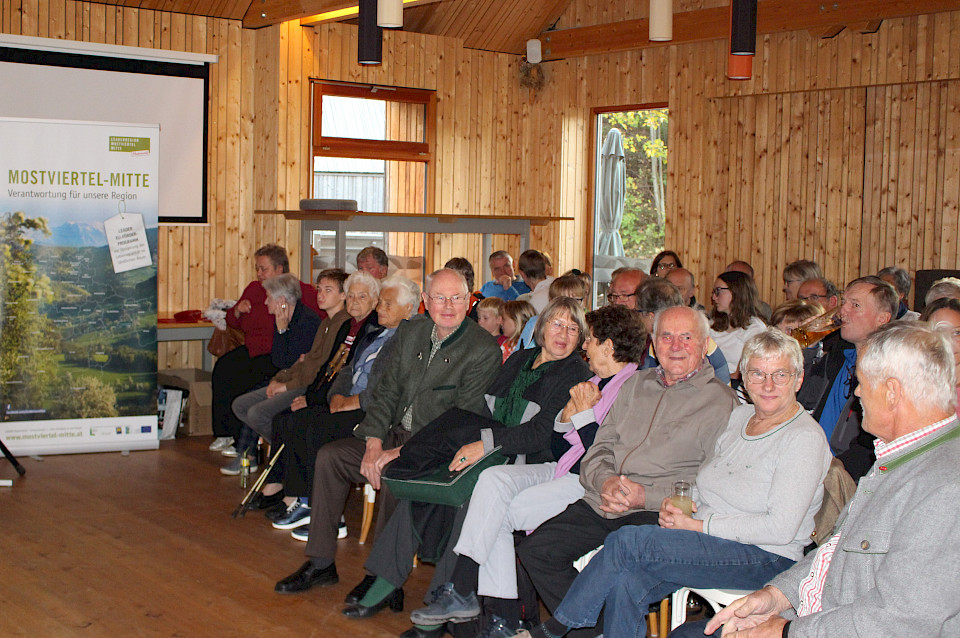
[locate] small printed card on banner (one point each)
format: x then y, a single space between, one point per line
127 239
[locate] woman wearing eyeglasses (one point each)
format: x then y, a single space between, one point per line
754 502
664 262
530 390
735 316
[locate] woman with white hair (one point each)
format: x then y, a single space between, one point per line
946 288
754 502
337 399
295 327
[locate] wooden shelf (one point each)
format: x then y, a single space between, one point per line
348 215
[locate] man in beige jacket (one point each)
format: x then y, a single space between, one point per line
659 430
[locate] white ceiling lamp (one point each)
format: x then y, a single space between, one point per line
390 14
661 20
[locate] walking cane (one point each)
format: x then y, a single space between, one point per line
244 505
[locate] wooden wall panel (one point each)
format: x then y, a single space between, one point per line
196 263
773 169
844 150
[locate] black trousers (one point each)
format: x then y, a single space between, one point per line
547 555
303 433
236 373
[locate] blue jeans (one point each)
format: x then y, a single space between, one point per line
641 565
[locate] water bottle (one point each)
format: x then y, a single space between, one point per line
244 470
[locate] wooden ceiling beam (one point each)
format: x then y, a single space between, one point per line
773 16
263 13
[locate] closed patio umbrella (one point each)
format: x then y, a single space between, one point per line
611 186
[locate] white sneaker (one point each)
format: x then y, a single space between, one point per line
220 443
342 530
229 451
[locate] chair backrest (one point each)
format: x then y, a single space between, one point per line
838 488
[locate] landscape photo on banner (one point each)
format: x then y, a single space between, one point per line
78 286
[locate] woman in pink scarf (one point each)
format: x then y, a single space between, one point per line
521 497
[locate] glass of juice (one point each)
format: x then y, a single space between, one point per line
683 497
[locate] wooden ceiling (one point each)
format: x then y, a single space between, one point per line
506 25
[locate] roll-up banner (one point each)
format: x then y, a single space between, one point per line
78 286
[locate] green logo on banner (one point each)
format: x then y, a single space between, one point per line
120 144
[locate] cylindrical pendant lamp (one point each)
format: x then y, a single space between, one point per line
390 14
370 42
743 27
661 20
739 67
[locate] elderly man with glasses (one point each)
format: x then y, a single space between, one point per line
820 291
662 425
623 287
438 363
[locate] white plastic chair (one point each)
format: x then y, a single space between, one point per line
716 598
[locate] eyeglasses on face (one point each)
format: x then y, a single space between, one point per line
442 300
558 326
666 265
780 377
811 297
718 290
614 297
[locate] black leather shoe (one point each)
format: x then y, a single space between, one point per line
394 601
416 632
277 511
360 590
261 502
306 577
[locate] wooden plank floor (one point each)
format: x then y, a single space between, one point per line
143 545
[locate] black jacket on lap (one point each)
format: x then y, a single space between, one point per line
439 440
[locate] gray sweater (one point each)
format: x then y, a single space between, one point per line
764 490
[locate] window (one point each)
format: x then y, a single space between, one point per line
373 144
630 183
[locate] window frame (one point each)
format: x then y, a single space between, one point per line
394 150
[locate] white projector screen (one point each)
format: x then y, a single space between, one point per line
60 86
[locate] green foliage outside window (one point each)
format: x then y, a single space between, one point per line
644 145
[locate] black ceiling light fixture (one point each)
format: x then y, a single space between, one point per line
370 42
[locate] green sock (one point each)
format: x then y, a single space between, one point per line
379 590
428 627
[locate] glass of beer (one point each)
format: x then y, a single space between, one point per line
813 330
683 497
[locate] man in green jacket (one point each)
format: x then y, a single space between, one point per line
439 363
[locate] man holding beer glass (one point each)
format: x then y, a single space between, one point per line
868 303
754 502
